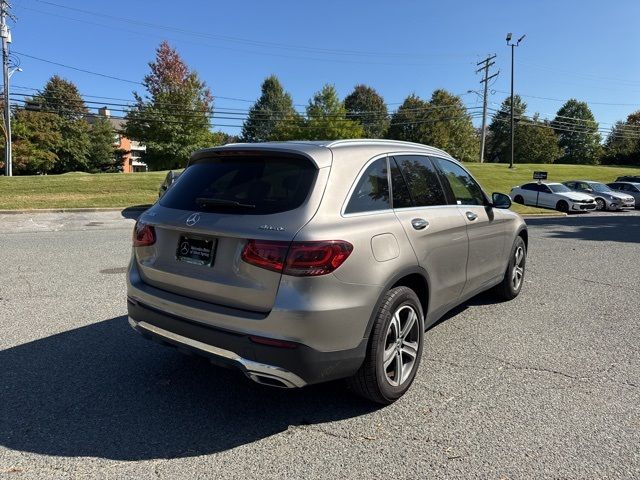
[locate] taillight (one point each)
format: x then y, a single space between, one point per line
144 235
300 259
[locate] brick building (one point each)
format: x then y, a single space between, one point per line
132 158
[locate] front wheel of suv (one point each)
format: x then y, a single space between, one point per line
511 285
394 350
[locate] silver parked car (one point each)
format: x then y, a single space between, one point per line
303 262
605 197
627 188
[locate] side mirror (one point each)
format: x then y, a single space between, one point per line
500 200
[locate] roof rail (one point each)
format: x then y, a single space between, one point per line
382 141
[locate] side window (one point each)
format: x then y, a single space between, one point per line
465 189
372 190
529 186
422 179
571 185
544 188
401 196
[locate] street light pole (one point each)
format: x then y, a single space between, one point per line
513 131
4 33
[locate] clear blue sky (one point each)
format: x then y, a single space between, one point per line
584 49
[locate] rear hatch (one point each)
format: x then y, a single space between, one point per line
206 218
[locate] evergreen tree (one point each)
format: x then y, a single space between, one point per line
622 146
499 146
577 132
172 120
273 107
102 153
61 97
408 123
536 142
366 106
448 126
327 118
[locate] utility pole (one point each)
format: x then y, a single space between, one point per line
488 62
513 48
6 40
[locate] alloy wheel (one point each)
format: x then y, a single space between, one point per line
518 268
401 345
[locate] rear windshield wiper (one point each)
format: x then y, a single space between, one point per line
205 202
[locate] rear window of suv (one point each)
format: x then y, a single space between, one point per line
252 185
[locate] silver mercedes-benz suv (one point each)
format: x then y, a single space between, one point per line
303 262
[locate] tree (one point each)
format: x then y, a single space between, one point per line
36 138
577 132
500 129
536 142
327 118
273 107
622 146
62 97
408 123
172 120
102 153
366 106
73 151
448 126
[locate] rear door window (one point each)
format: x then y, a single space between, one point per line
248 185
422 180
372 190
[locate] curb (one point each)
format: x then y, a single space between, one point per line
136 208
544 215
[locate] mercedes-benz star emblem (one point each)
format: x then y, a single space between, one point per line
184 248
193 219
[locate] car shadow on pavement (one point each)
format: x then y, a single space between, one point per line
104 391
601 228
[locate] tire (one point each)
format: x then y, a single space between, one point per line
373 380
519 199
562 206
509 289
600 205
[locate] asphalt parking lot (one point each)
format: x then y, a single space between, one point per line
545 386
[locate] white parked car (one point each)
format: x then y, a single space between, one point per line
552 195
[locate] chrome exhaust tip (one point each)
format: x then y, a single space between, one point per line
269 380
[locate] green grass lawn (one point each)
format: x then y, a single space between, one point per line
80 190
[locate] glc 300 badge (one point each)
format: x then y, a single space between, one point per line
271 227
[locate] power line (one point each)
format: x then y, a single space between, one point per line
251 42
131 105
174 121
565 100
104 75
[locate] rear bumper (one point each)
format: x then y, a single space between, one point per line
270 365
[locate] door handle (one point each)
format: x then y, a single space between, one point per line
419 223
471 216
